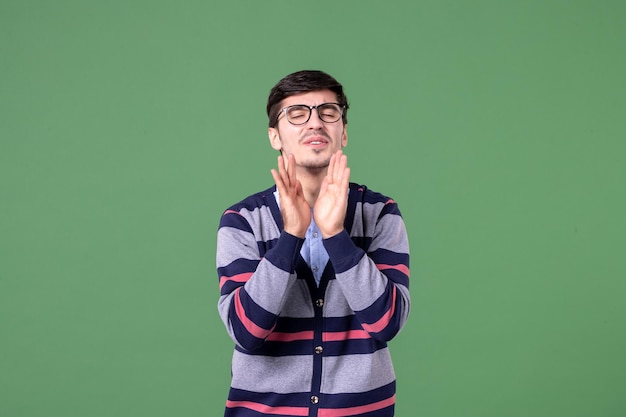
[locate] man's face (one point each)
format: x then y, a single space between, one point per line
314 142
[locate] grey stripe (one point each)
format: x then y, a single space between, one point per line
230 248
363 284
262 223
357 373
283 375
395 237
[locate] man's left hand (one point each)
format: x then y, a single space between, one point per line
330 208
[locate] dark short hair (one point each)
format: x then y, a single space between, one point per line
303 82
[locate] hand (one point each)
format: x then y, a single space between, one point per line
295 210
332 201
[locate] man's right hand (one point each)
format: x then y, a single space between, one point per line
295 210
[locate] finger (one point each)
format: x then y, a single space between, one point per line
345 179
342 163
282 164
280 178
292 172
340 166
280 185
339 162
282 170
331 168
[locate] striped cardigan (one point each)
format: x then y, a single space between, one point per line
303 349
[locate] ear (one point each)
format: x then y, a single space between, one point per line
344 136
275 142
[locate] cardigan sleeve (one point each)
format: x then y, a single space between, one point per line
252 284
375 280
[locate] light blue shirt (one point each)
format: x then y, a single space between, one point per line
313 251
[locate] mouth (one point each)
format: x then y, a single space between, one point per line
316 141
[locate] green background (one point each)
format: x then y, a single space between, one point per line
127 127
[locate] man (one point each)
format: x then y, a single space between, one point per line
314 271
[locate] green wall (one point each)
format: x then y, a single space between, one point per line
126 127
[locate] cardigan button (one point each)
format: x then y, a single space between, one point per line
315 399
319 302
319 349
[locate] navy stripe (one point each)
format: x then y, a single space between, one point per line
387 256
353 347
397 277
362 242
236 221
305 347
294 325
331 324
296 399
263 247
357 399
389 209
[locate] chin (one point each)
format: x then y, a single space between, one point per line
319 164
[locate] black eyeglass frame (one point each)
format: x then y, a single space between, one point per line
342 108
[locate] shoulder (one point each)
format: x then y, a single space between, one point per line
252 212
360 193
256 218
369 212
253 202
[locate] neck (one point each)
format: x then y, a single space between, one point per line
311 181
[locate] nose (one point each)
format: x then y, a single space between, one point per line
315 122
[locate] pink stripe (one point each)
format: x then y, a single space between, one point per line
390 201
252 328
384 320
266 409
350 334
400 267
231 212
355 411
237 278
290 337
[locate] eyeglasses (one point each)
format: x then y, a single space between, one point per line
299 114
